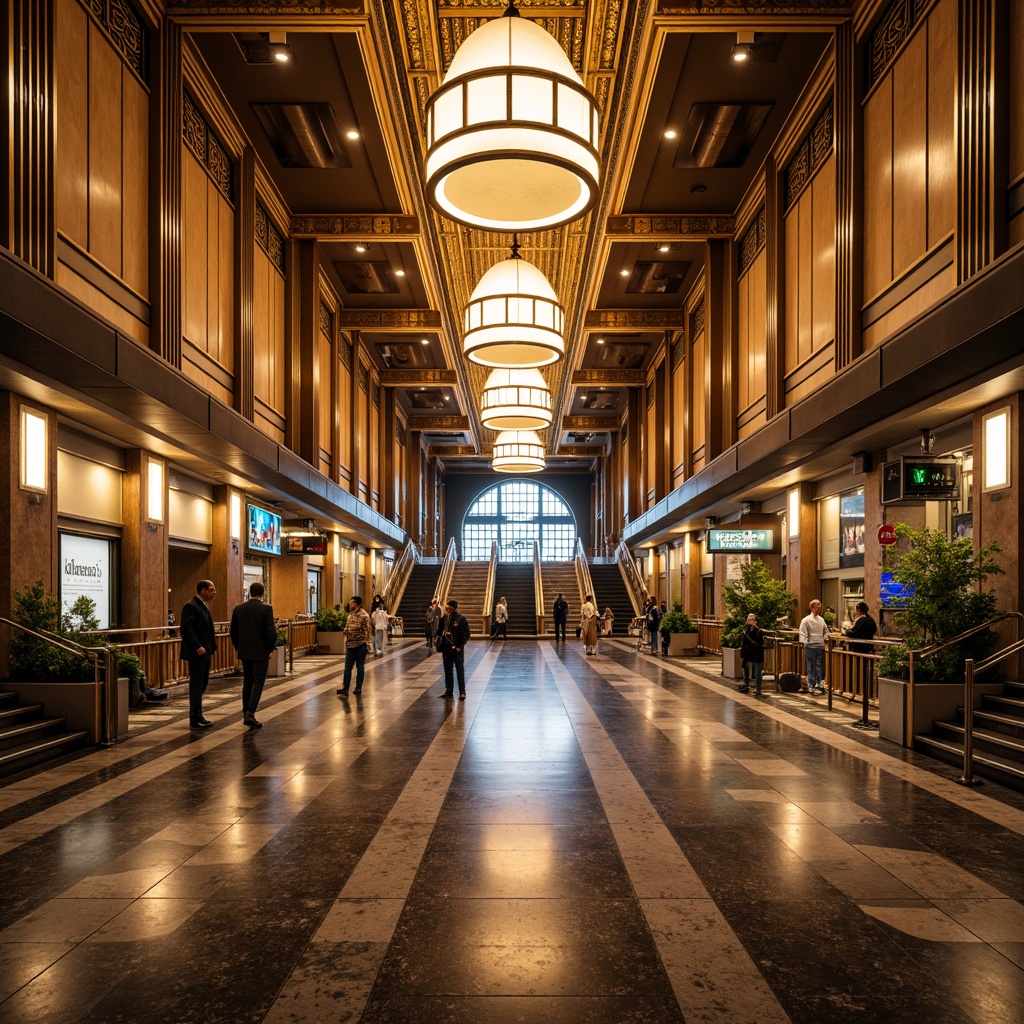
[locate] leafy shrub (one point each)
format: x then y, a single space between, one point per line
677 621
281 637
946 577
35 660
755 591
330 620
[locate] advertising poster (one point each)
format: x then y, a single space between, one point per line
86 570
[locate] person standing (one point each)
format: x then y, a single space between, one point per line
813 630
379 618
198 644
588 625
752 653
561 615
358 633
455 634
432 624
606 621
864 628
653 617
254 636
501 619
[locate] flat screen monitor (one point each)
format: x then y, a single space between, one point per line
264 530
893 593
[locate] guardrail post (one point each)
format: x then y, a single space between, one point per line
109 735
968 778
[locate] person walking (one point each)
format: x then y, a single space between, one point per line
198 644
358 633
560 613
500 620
455 633
752 654
588 625
379 619
653 620
432 624
813 630
254 637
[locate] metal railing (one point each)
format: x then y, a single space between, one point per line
399 578
638 595
709 634
444 579
104 681
538 590
586 584
492 579
924 653
301 637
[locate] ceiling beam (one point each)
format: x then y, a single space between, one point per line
439 422
417 378
589 424
390 320
330 227
614 378
634 319
670 228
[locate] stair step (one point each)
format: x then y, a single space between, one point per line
29 754
996 739
1005 771
12 714
13 735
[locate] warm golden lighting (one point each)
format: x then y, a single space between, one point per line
996 450
513 318
235 517
515 399
512 132
517 451
34 451
155 492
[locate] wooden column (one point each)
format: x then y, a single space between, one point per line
302 416
144 571
165 195
849 125
27 215
719 423
661 437
389 461
245 241
775 307
802 564
632 477
981 229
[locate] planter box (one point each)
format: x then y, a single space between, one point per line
732 664
73 701
933 702
331 643
278 662
682 643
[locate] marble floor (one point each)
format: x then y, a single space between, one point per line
595 840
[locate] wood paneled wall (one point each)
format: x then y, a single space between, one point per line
325 387
810 285
268 357
101 173
910 175
678 433
1016 125
346 467
698 399
208 278
751 368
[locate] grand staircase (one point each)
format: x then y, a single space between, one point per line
421 587
998 737
560 578
469 582
610 592
514 582
28 738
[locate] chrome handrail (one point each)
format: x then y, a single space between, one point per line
400 573
631 577
538 590
586 584
444 579
104 689
492 574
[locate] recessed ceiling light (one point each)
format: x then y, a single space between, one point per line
624 273
424 341
360 247
600 341
399 273
664 247
698 189
352 134
671 133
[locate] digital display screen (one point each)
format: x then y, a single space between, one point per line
306 545
893 593
264 530
740 540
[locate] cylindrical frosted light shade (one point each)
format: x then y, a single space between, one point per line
512 132
517 451
515 399
513 318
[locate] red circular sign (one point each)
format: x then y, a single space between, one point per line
887 534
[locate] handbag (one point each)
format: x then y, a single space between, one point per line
579 632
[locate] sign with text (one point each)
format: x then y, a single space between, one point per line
86 571
728 541
305 545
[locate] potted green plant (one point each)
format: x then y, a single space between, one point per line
755 591
943 581
279 659
680 629
330 629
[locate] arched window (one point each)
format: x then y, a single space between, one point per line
516 513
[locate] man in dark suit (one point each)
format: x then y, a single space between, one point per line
561 616
452 641
254 635
198 642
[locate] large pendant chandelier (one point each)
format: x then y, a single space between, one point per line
515 399
517 451
513 318
512 132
